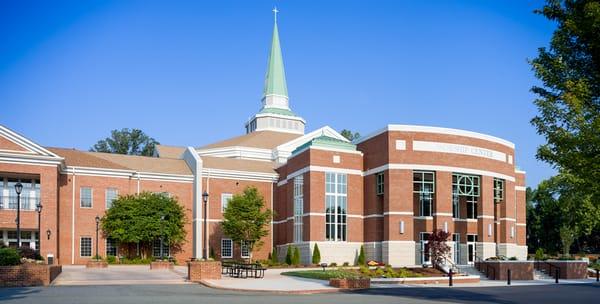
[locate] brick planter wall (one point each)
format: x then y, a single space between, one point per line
350 283
96 264
161 265
571 270
498 270
28 275
204 270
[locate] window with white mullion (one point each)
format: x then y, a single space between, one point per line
298 208
336 186
226 248
424 189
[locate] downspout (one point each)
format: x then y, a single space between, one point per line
73 220
138 182
206 242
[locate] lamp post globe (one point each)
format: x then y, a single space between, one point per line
205 234
18 189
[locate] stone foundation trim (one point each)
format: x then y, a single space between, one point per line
161 265
96 264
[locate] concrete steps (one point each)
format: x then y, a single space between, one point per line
541 275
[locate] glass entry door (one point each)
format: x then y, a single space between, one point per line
471 248
425 254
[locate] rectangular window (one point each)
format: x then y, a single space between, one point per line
111 196
379 183
85 246
498 190
225 197
226 248
424 190
298 207
465 188
159 246
111 247
245 250
85 197
336 205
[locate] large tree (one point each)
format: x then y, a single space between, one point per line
127 141
350 135
569 97
246 220
144 218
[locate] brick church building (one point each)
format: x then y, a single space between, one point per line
386 191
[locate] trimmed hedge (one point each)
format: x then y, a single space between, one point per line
9 257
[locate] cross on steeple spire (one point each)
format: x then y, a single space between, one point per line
275 11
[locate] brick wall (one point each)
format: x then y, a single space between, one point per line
28 275
204 270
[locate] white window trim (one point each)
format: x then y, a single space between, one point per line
242 250
226 256
223 196
91 197
91 247
106 196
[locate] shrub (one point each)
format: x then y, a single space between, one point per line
296 257
97 257
111 259
9 257
514 258
364 270
288 255
539 254
273 258
316 257
28 253
379 272
346 264
333 264
361 256
136 261
212 254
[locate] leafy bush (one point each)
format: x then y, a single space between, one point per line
316 257
273 260
364 270
111 259
9 257
324 275
333 264
379 272
540 255
136 261
28 253
513 258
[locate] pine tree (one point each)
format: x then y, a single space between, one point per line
288 255
274 258
316 257
361 256
296 257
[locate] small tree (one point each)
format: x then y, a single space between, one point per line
246 220
438 248
567 236
273 258
316 256
296 257
145 217
288 255
361 257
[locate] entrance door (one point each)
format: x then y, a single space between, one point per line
471 248
456 240
425 256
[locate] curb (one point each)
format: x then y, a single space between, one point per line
292 292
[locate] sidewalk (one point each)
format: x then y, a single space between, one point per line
118 275
274 282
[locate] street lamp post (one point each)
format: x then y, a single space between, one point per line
97 223
38 209
204 238
162 224
18 189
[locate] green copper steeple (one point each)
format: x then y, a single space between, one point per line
275 78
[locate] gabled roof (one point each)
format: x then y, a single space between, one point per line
164 151
77 158
257 139
16 143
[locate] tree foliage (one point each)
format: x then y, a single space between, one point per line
316 256
569 97
296 257
289 255
361 256
350 135
246 219
438 248
127 141
145 217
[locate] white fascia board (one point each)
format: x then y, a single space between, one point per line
238 152
25 143
240 175
288 117
438 130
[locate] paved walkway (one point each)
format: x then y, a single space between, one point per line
118 275
274 281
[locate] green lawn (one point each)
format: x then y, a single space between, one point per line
363 272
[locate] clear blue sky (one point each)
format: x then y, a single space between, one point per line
191 73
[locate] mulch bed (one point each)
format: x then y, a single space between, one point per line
426 272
